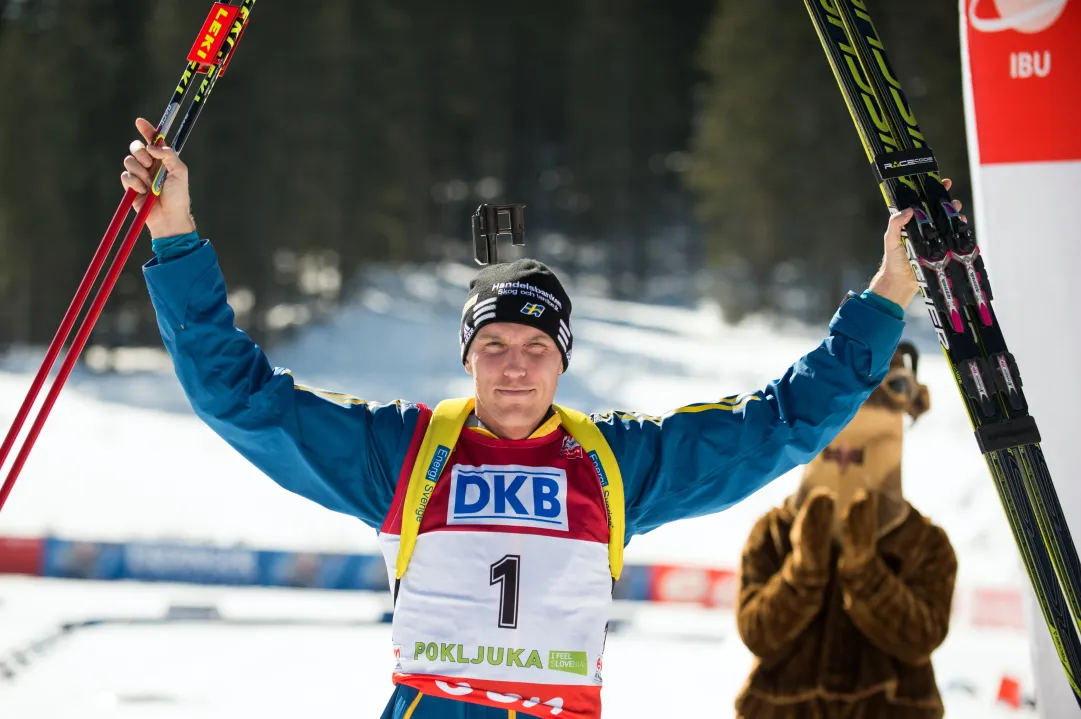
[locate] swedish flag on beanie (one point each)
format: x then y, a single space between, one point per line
525 292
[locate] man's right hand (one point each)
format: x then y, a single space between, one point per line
171 215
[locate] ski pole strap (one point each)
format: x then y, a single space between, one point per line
442 434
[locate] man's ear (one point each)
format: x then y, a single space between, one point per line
468 364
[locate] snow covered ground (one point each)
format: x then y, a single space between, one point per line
122 458
288 653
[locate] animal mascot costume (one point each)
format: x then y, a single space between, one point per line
845 589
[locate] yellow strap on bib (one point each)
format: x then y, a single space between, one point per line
596 447
442 434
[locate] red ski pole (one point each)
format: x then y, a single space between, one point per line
213 41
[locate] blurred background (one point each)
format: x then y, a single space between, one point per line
689 167
664 151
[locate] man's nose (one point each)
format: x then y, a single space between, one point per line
515 366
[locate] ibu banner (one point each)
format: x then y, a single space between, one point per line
1025 71
1021 63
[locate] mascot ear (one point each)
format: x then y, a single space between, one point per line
921 402
909 355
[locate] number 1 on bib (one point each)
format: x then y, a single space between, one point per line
505 572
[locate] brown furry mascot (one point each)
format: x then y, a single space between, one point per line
845 590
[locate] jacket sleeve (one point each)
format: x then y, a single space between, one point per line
338 451
906 618
703 458
776 602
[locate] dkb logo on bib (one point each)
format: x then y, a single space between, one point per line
508 494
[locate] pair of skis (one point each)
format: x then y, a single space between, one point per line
953 282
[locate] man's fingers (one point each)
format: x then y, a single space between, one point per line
897 223
146 130
134 167
138 151
169 159
947 183
131 182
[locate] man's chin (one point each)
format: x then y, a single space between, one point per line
520 407
516 408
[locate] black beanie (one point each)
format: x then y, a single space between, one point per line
525 292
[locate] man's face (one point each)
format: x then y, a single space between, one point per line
515 372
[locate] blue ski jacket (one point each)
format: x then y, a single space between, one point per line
347 455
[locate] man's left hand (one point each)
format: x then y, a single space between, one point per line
895 280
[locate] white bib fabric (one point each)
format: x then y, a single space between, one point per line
509 588
537 608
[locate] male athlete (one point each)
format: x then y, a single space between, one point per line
502 517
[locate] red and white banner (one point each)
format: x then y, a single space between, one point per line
1022 82
708 587
21 556
1025 69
